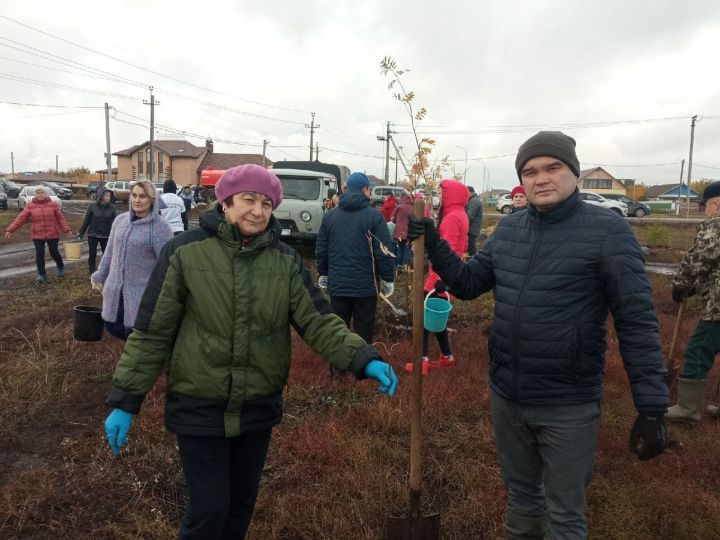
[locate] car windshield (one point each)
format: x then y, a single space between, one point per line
12 185
30 191
300 187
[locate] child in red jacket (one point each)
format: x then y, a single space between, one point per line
453 225
46 218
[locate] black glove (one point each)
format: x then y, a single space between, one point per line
678 294
418 227
440 287
648 437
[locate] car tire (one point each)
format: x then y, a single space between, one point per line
506 209
91 195
639 212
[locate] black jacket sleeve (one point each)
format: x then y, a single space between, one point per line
464 280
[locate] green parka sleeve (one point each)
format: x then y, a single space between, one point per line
151 341
321 329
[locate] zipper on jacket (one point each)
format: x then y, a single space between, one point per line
521 299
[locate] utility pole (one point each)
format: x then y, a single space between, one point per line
692 140
56 164
265 143
397 158
152 103
682 168
108 156
312 128
12 166
387 154
398 153
317 152
465 169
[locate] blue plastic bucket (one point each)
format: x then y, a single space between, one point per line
437 311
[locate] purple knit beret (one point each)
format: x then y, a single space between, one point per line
249 179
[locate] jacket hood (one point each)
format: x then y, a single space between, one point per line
453 194
353 200
98 199
407 199
46 200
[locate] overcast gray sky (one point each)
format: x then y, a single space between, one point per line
260 68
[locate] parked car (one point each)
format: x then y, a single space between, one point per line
11 188
91 190
301 210
504 203
120 189
435 195
378 194
598 200
635 208
3 198
28 192
60 191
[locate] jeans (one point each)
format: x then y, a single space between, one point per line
223 477
40 255
93 242
472 244
546 456
700 353
404 253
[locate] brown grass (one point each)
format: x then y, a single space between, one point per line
23 233
338 463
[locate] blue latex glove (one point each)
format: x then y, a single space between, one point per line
384 374
117 426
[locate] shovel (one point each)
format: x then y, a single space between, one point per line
670 364
415 526
398 312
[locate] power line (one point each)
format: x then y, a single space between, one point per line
48 114
54 106
148 70
706 166
349 153
533 127
630 165
36 82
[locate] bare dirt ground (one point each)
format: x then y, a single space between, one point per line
338 463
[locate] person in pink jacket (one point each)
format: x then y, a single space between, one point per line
453 225
47 219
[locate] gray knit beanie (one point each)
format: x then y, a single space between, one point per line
551 144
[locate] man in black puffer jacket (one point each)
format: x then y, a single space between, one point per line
352 256
557 269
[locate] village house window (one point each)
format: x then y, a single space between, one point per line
597 183
160 166
140 162
149 160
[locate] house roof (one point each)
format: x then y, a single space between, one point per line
29 177
587 172
174 149
104 171
664 189
225 161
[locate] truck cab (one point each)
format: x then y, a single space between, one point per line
302 209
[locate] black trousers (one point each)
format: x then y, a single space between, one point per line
222 476
40 254
443 341
93 242
361 311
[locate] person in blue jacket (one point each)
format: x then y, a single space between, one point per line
354 251
557 269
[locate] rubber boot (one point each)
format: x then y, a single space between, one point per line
520 525
425 366
40 280
691 394
61 272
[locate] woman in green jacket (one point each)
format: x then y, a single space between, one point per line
220 303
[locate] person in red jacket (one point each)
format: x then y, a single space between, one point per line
47 219
453 225
388 207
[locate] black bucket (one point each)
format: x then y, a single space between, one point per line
89 324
